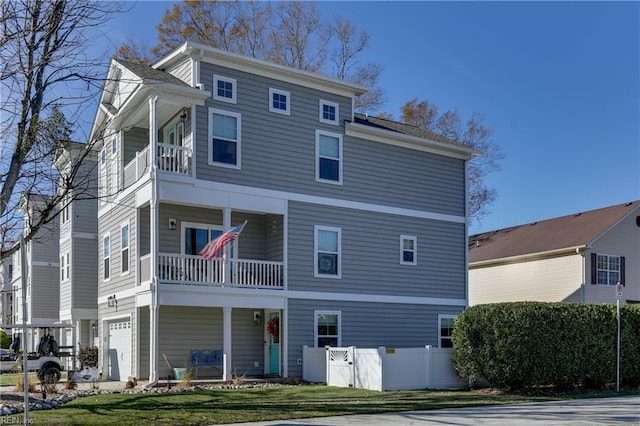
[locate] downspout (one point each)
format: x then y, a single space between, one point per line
466 233
153 237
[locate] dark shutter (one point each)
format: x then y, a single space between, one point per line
622 270
594 271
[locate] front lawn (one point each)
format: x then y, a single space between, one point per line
256 404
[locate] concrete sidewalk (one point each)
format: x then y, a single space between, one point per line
597 411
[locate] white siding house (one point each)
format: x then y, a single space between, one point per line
574 258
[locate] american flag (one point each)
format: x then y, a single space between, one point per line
214 247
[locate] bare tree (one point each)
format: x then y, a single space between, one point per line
293 33
473 133
46 77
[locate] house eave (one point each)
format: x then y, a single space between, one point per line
260 67
530 256
409 141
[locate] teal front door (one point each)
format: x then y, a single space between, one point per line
273 330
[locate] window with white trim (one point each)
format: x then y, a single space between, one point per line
114 146
64 214
224 89
408 250
224 141
279 101
328 157
103 190
124 248
65 269
445 331
196 235
608 269
106 257
327 252
329 112
327 328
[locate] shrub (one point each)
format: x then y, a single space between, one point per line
5 340
525 344
88 356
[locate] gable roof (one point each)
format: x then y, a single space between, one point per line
566 232
150 75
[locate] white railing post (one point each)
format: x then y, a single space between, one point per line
428 365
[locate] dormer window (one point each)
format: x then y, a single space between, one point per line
224 89
329 112
279 101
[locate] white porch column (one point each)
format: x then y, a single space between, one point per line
226 343
153 243
226 225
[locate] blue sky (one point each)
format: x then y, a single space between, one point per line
558 81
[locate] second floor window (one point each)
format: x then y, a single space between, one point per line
328 157
124 230
408 250
327 252
65 268
225 138
106 257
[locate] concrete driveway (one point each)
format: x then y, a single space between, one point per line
597 411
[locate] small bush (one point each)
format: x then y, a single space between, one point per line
71 384
20 386
88 356
185 382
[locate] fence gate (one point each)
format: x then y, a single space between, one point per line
341 368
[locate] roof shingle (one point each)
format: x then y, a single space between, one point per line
559 233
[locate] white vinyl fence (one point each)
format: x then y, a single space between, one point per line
382 368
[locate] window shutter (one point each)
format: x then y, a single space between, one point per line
594 272
622 270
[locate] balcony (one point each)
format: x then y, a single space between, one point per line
171 158
195 270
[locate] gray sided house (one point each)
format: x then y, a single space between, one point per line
355 234
574 258
78 245
41 269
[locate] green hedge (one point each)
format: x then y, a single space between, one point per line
524 344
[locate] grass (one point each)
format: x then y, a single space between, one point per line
259 404
13 378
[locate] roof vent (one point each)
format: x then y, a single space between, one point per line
577 214
534 223
628 204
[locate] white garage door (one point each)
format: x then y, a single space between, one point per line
120 350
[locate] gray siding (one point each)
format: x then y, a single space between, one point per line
183 329
66 287
45 292
84 216
111 222
45 246
367 325
247 343
283 148
371 253
144 342
85 273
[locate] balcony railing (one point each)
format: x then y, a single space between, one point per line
174 158
171 158
195 270
136 167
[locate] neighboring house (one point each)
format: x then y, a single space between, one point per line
42 271
6 291
356 226
575 258
78 245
